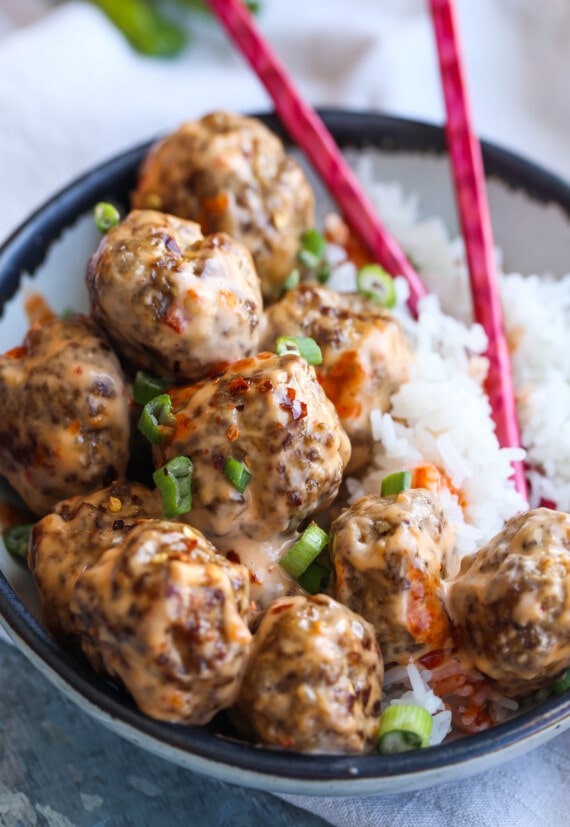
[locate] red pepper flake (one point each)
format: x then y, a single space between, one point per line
265 386
296 408
281 608
175 319
233 432
238 385
17 352
233 556
190 543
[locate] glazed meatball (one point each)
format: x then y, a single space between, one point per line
231 174
65 425
511 602
389 555
314 679
175 303
167 615
270 415
365 354
73 536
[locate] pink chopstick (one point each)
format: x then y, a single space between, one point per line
473 208
312 136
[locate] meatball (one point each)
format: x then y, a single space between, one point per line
269 415
511 602
167 615
314 679
389 554
73 536
365 354
175 303
231 174
74 436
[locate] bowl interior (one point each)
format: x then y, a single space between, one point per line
47 255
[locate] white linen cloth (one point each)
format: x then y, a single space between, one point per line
72 93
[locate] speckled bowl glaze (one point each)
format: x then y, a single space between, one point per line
531 217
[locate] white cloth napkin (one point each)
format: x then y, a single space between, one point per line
72 93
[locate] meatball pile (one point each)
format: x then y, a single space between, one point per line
195 616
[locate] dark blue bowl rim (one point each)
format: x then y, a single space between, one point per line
23 252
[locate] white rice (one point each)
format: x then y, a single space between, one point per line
419 694
442 414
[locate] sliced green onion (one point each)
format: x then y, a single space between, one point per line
313 248
314 579
324 272
147 387
305 551
173 481
562 684
237 474
404 727
157 422
292 280
16 539
376 284
302 345
394 483
105 216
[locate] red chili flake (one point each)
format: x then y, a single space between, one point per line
233 556
17 352
238 385
190 543
265 386
281 608
296 408
233 432
175 319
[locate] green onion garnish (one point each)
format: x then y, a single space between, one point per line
404 727
173 481
394 483
302 345
16 541
314 579
312 541
324 272
147 387
562 684
157 422
237 474
376 284
105 216
313 248
291 281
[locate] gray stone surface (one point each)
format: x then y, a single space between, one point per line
58 767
